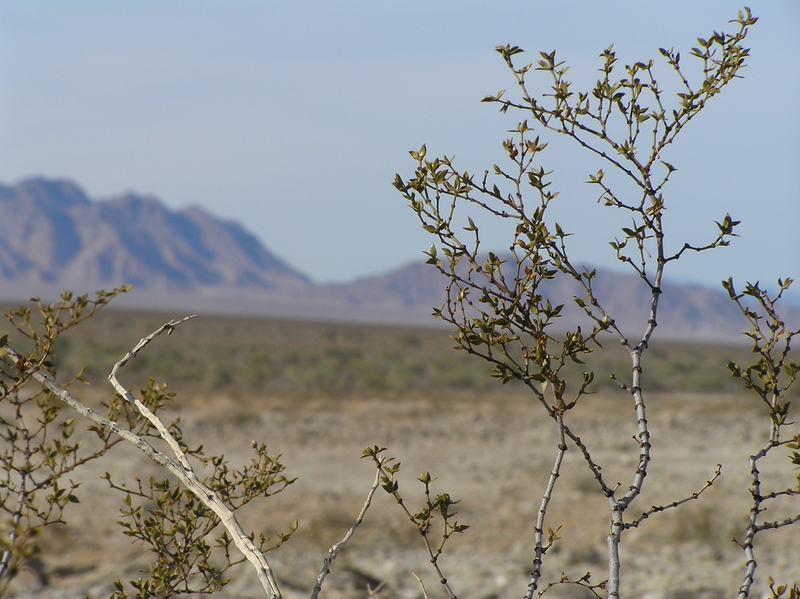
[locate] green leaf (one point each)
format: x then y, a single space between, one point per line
552 535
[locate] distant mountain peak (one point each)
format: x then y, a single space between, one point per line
47 192
51 232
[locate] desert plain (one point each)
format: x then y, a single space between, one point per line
489 446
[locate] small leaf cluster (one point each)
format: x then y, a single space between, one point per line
435 505
41 446
495 302
181 529
584 581
627 122
39 326
795 457
633 101
191 555
780 590
774 372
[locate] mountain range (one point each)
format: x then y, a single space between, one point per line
53 237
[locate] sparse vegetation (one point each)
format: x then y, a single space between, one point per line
249 355
190 520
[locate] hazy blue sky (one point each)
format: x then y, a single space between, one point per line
293 117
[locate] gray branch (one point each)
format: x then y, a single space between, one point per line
334 551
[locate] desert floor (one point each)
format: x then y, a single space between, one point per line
493 452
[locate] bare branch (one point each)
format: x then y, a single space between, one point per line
422 584
657 508
779 523
334 551
583 581
538 537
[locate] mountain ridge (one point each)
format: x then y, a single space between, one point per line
54 237
51 233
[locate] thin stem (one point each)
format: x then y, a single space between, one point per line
435 563
334 551
548 493
752 524
22 497
661 508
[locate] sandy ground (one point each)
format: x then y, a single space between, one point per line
493 453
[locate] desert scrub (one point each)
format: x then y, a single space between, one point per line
245 355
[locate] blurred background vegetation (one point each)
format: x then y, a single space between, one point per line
279 357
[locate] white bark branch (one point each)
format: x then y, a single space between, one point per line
143 410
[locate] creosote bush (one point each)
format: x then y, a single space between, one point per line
499 313
495 302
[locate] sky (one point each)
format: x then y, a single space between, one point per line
293 117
